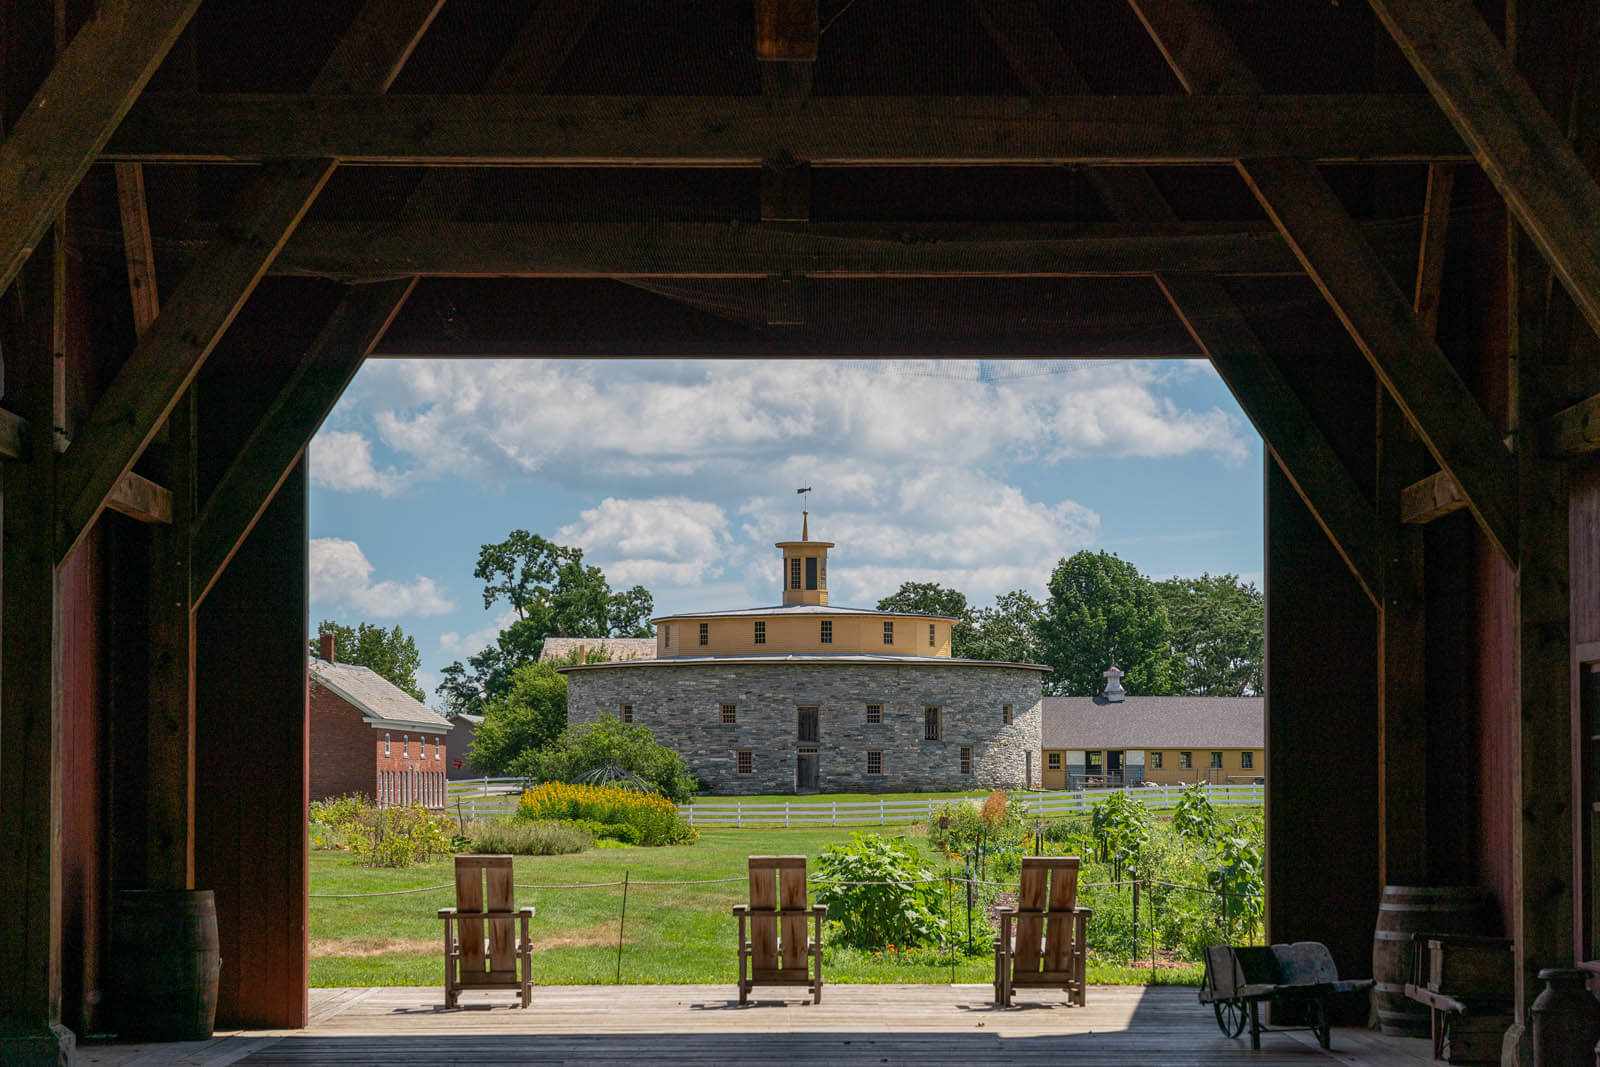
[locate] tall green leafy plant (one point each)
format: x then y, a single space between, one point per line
1121 828
880 893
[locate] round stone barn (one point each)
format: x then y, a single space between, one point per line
805 696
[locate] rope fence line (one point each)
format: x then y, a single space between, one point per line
943 880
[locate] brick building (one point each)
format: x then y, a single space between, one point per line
371 737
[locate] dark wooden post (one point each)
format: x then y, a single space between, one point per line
1321 735
30 698
251 770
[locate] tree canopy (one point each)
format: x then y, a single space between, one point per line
530 714
1009 630
1216 634
1102 612
553 594
390 653
931 598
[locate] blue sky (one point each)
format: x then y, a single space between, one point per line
680 474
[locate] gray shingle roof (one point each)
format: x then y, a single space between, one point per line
807 657
1153 722
799 609
617 648
379 700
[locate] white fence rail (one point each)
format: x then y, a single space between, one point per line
487 798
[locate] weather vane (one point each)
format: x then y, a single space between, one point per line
807 501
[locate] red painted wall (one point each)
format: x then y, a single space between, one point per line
341 747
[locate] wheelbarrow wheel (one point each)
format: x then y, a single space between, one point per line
1231 1015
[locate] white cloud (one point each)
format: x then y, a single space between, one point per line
654 541
342 460
342 574
577 422
477 640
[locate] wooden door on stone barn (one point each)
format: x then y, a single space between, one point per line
805 770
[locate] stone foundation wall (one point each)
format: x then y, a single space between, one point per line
682 706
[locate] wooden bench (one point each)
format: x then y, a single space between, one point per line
1238 978
1044 940
778 907
1468 984
482 948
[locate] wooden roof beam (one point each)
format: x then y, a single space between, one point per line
141 499
188 327
1446 415
1512 137
1213 320
83 98
13 436
1430 498
538 130
1575 431
281 437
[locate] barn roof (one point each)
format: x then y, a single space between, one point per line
1153 722
380 701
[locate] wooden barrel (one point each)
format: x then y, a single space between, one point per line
164 964
1407 910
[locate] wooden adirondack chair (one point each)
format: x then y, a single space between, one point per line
482 948
1044 940
773 947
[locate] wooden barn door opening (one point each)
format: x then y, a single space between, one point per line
805 771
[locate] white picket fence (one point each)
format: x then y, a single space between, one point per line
487 798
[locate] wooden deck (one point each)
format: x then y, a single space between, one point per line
923 1025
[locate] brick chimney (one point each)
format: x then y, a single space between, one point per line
326 651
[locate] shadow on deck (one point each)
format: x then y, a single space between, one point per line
922 1025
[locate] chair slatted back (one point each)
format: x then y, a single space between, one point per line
1045 899
777 882
475 875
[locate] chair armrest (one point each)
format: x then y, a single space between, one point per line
1005 909
529 912
741 909
447 913
819 910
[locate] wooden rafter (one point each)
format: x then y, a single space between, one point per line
139 498
1431 498
278 441
1515 141
13 436
69 119
1377 315
743 131
1575 431
193 320
1213 320
437 245
1430 254
138 249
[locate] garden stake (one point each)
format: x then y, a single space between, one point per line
622 922
1136 921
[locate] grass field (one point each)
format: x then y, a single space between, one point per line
682 933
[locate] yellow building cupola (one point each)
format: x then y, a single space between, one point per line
805 567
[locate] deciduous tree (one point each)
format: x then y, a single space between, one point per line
391 653
1102 612
530 714
1216 634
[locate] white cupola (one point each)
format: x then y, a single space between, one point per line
1113 690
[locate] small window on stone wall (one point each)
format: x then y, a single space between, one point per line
930 724
874 713
627 713
966 759
744 762
1005 714
874 762
730 714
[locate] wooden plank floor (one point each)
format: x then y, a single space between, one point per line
924 1025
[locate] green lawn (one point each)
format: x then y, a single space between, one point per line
673 933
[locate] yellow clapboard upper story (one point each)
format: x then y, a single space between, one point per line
803 622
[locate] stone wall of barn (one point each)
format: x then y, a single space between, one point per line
683 705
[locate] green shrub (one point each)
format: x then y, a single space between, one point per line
398 836
607 742
524 838
900 905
